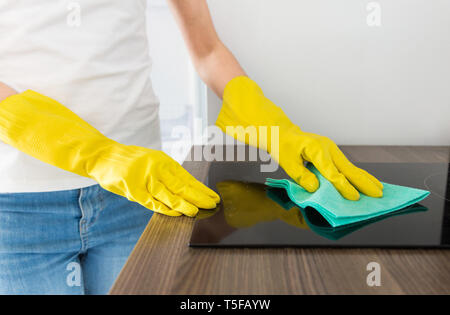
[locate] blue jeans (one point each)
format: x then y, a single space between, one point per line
66 242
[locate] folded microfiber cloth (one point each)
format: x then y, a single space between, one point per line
318 224
339 211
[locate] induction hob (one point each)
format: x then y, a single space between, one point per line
253 215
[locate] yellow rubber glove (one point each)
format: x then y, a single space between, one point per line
254 206
45 129
244 104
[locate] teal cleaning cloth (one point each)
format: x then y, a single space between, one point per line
339 211
317 223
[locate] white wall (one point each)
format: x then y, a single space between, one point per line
334 75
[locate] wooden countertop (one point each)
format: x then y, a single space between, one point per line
162 262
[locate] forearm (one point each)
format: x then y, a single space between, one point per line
218 67
6 91
215 64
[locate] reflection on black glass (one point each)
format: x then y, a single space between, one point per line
243 205
246 204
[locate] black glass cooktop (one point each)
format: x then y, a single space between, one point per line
253 215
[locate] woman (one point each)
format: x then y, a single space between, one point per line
80 152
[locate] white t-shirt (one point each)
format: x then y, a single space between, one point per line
90 55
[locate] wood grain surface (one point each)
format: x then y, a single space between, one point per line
162 262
